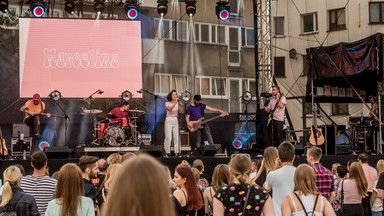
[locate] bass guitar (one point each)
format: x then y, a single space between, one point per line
3 146
198 124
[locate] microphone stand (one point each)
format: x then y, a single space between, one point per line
89 101
66 119
155 131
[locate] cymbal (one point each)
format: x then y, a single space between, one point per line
93 111
107 115
136 111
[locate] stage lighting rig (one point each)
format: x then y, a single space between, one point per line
55 95
69 6
38 8
126 95
190 7
131 9
162 7
4 6
222 9
99 6
186 96
246 97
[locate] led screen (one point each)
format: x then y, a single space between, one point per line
78 57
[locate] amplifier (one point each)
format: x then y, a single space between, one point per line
18 146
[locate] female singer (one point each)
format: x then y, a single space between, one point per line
171 126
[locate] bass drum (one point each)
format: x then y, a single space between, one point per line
114 136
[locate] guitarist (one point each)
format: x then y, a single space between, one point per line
276 108
33 109
194 112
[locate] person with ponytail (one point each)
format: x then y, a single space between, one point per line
13 198
240 197
188 195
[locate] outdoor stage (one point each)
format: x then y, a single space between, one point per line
209 162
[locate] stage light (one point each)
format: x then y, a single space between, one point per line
44 144
246 97
190 7
237 144
162 7
4 6
37 8
131 9
222 10
99 7
55 95
126 95
186 96
69 6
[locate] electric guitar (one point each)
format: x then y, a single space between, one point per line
46 115
197 124
3 147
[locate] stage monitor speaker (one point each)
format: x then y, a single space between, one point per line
56 152
329 133
154 150
205 150
299 148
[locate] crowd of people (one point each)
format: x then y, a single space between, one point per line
140 185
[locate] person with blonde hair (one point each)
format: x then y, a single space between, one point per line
267 165
376 204
13 198
114 158
101 195
70 199
334 168
240 197
140 188
220 178
305 199
353 190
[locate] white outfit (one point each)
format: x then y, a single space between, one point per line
308 202
171 126
377 205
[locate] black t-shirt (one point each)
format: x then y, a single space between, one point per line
89 189
261 178
380 182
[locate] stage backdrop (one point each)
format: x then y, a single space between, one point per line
78 57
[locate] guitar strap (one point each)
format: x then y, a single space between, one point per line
202 110
274 108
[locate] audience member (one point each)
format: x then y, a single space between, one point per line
281 181
353 190
377 205
103 166
39 185
333 170
114 158
128 155
188 196
141 188
341 173
203 179
324 177
89 169
22 175
305 199
267 165
240 197
105 187
55 175
70 199
220 178
371 176
256 164
13 198
184 163
350 162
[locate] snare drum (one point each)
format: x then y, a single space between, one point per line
124 122
99 130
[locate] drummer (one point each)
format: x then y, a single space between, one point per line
119 112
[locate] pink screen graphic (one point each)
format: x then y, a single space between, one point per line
78 57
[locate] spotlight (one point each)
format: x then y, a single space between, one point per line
130 9
237 144
162 7
190 7
37 8
69 6
186 96
55 95
126 95
99 6
222 10
44 144
246 97
4 6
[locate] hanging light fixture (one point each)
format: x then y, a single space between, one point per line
246 97
55 95
126 95
186 96
190 7
162 7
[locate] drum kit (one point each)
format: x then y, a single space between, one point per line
120 132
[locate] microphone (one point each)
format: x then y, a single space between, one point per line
100 92
140 91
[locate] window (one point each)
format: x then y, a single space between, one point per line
211 86
221 34
166 82
208 33
376 12
279 66
279 25
234 48
234 7
340 109
163 31
247 37
181 30
309 22
337 19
